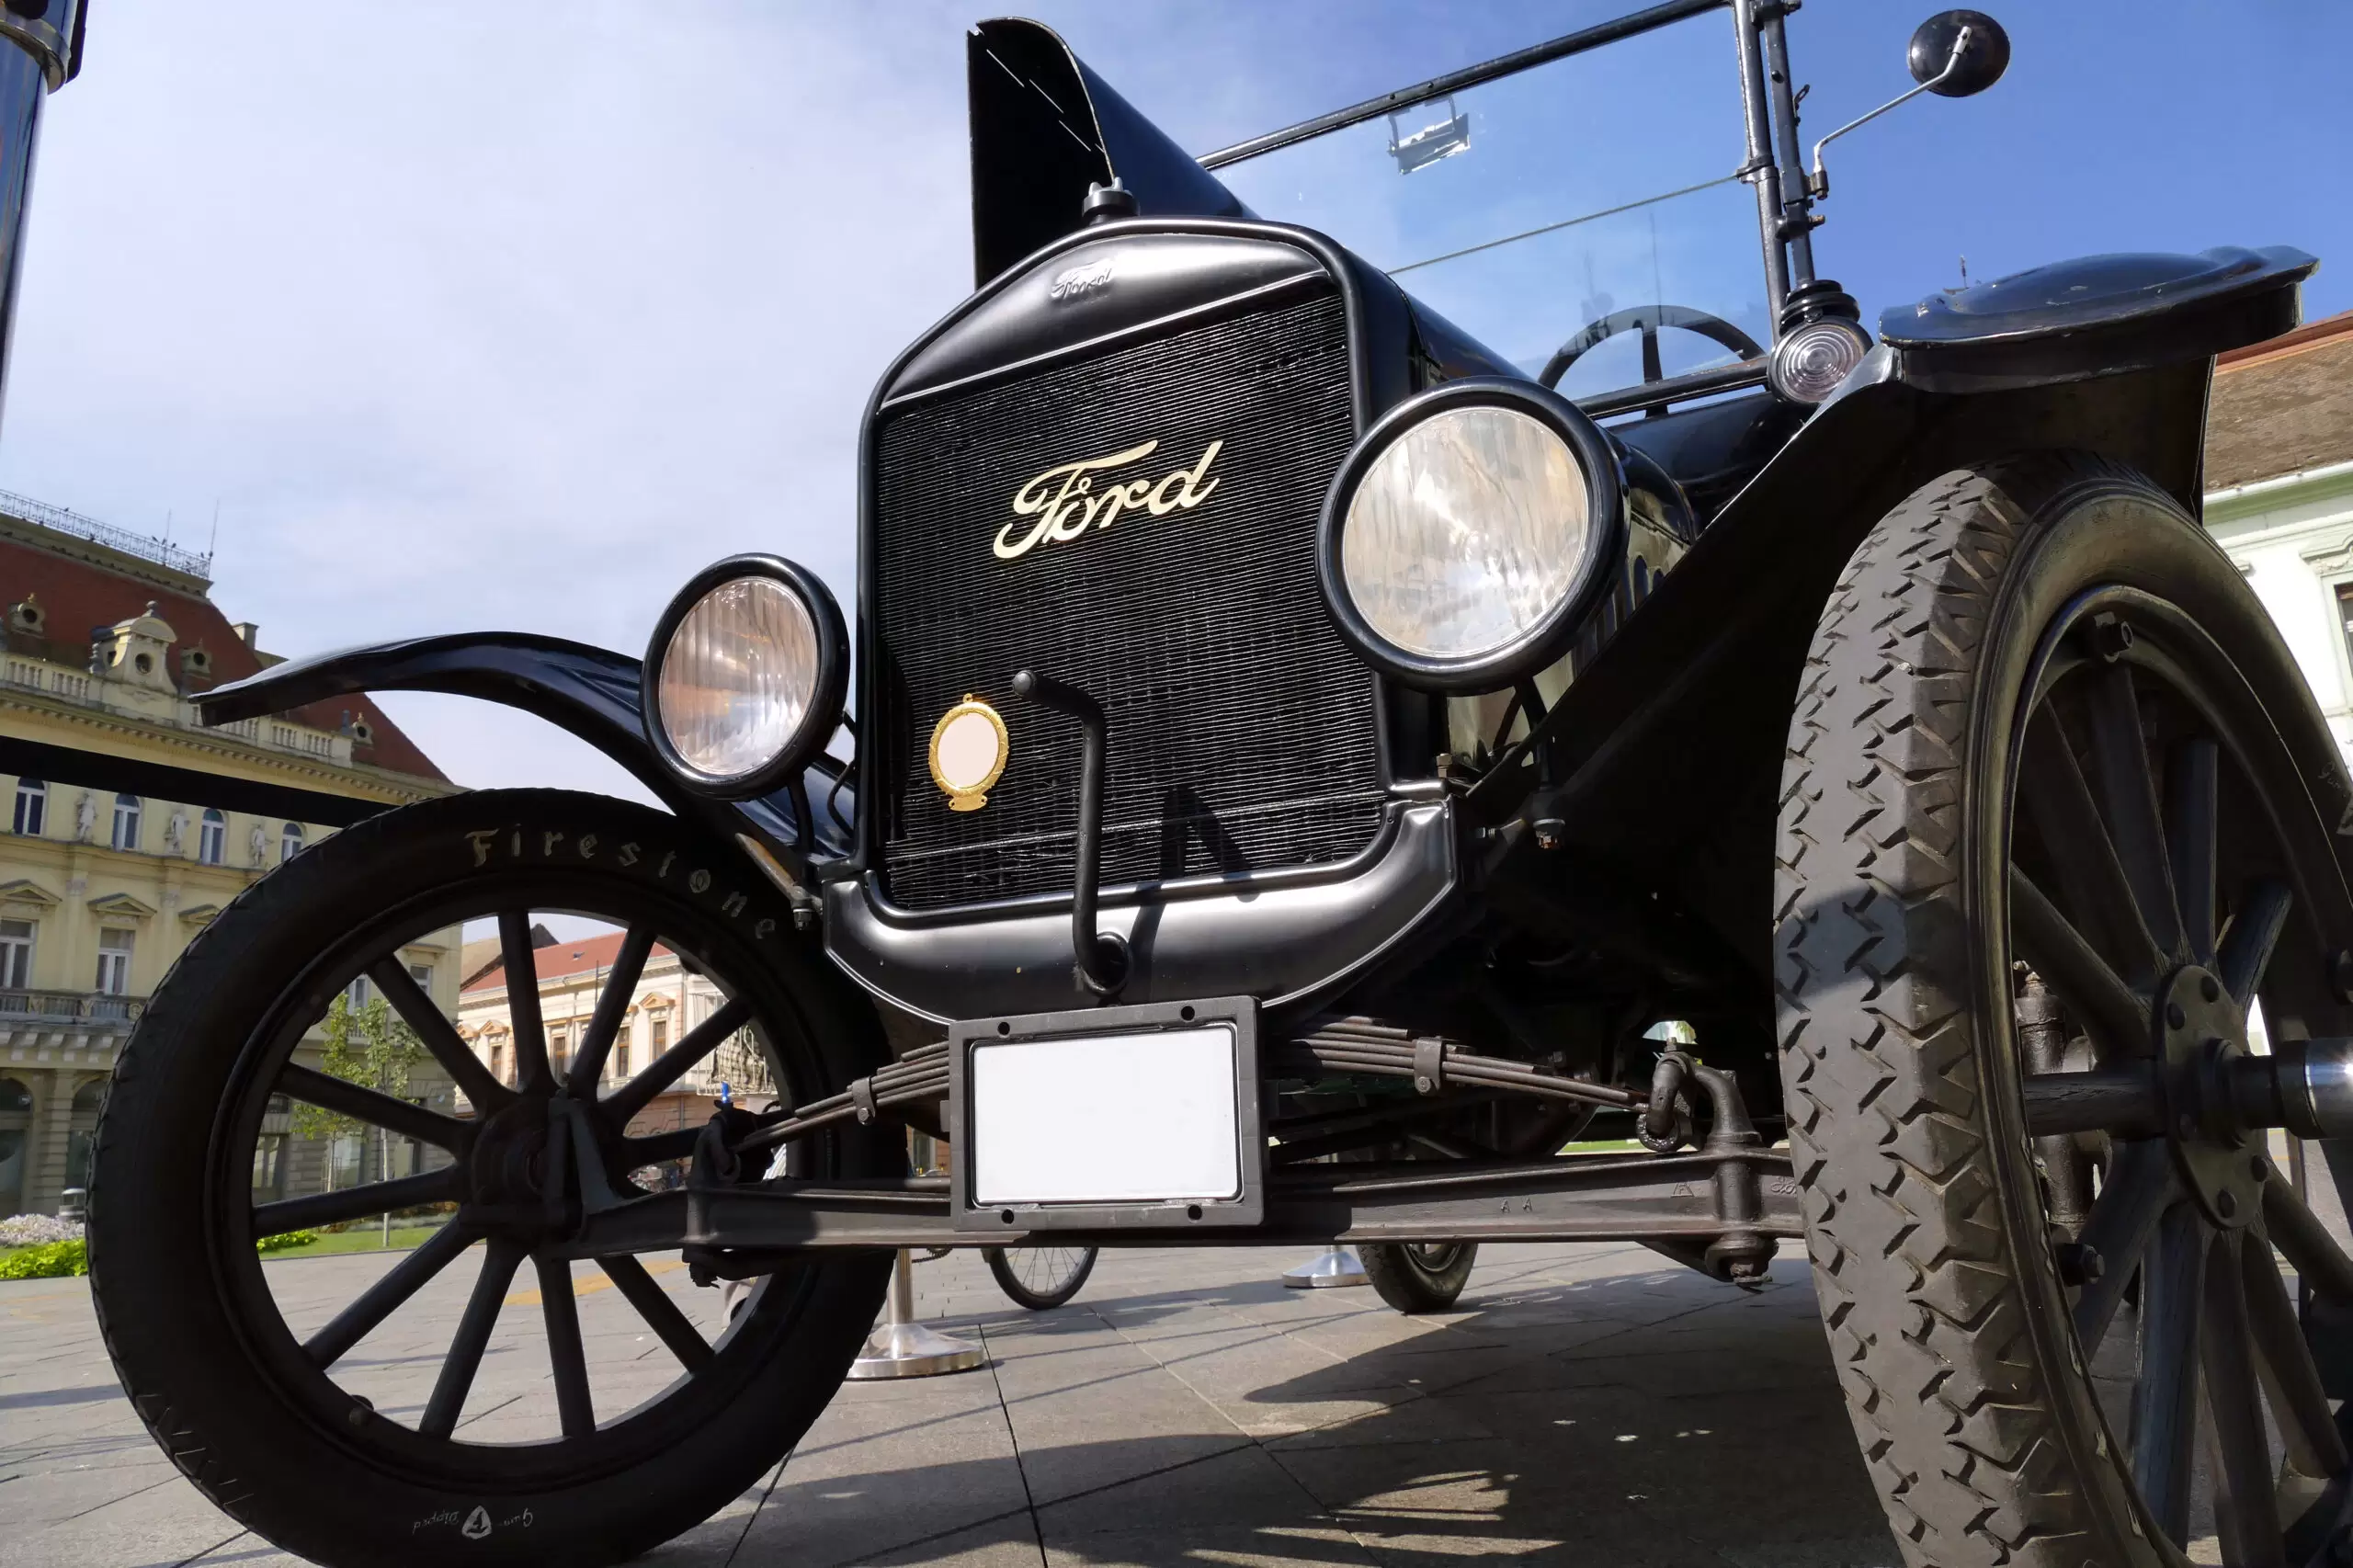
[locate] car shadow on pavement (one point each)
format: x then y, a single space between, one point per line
1650 1417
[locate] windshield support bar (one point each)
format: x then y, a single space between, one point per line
1760 170
1797 222
1594 37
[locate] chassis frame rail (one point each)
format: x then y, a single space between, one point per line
1727 1208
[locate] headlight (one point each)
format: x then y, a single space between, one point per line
744 681
1469 532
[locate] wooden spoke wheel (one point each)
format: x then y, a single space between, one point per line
1040 1277
407 1413
2060 823
1419 1277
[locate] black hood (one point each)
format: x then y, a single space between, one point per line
1044 129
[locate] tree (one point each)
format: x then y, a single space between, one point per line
370 1047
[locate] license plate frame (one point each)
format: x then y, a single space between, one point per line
1080 1033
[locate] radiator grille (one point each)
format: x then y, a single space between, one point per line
1242 729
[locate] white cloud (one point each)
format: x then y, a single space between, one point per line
503 317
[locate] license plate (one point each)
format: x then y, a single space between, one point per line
1107 1117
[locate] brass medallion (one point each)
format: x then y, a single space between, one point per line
969 747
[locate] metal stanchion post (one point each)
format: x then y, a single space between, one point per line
1335 1265
902 1347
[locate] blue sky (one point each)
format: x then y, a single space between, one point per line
515 316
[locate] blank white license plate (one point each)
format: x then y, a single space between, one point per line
1137 1118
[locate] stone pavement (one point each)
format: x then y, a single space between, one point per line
1584 1406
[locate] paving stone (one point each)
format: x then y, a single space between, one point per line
1584 1406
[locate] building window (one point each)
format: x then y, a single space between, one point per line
126 821
344 1158
498 1060
32 806
16 954
558 1051
16 1119
290 842
620 1051
114 962
423 974
212 838
354 995
661 1041
83 1132
270 1166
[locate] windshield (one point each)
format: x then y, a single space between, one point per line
1575 197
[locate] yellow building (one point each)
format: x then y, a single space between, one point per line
107 635
667 1001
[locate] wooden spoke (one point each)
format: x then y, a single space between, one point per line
2128 794
574 1407
438 1034
2254 930
457 1368
2315 1448
363 1104
2140 1185
2092 882
2117 1019
2193 821
385 1296
2246 1510
660 1313
621 984
521 967
666 1069
2165 1400
2300 1237
444 1185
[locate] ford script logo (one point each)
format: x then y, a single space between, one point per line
1080 281
1065 501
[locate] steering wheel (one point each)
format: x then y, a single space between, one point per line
1647 320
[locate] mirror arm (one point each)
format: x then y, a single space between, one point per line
1817 183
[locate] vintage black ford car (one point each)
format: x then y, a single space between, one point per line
1309 769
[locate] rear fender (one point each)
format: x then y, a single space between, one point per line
591 692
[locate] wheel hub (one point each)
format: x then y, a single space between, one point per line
2200 1031
515 1185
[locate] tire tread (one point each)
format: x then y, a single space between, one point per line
1925 1313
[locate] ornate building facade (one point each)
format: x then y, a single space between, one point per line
2279 495
106 635
668 1001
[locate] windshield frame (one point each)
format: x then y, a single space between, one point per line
1785 216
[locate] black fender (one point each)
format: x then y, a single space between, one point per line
591 692
1666 748
2093 315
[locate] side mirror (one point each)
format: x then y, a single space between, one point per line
1953 55
1946 64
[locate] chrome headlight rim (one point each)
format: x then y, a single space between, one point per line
1550 636
818 721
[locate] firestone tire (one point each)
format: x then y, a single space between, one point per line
1418 1277
1952 1333
211 1384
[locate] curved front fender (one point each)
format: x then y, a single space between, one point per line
591 692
